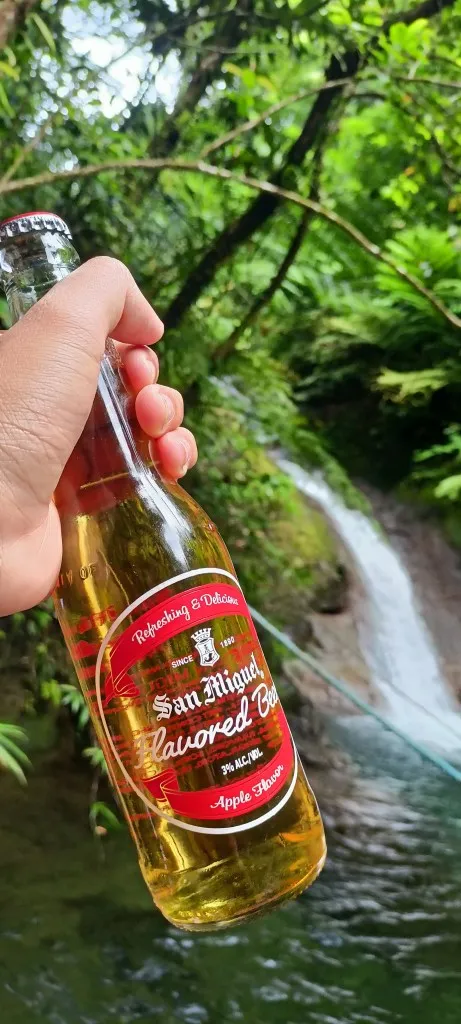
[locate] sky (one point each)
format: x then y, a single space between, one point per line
94 37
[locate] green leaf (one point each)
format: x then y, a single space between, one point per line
12 757
11 764
15 750
232 69
5 313
43 28
10 55
4 101
338 13
413 383
51 690
449 488
14 731
96 758
7 69
265 82
101 813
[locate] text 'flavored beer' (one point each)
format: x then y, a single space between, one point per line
180 695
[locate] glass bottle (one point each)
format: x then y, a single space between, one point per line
180 695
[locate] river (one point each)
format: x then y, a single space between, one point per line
377 939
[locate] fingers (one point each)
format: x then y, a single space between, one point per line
49 365
159 409
105 300
159 412
175 453
140 367
97 300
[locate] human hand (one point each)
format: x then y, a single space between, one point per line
49 366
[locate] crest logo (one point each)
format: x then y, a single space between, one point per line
204 644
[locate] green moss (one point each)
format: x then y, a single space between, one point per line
307 449
283 550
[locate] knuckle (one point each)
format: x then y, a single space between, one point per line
108 266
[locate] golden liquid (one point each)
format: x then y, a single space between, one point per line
124 533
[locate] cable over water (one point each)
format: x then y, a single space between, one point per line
343 688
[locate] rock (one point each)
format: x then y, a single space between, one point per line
308 725
330 596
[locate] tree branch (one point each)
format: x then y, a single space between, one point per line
12 15
25 152
437 82
228 346
268 293
263 207
263 187
226 38
428 9
253 122
304 94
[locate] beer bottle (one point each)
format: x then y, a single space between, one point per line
180 696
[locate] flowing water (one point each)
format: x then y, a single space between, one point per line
394 639
376 940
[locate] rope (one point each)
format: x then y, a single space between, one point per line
416 703
341 687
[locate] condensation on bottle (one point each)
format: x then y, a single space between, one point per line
179 692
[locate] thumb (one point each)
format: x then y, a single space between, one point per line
49 365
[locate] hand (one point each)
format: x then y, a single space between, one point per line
49 365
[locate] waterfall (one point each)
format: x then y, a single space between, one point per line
394 638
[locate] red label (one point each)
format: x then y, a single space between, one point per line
208 740
232 800
162 623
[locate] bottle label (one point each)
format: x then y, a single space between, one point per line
208 740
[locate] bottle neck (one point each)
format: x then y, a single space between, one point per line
31 264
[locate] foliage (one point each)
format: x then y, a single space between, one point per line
271 533
101 818
385 356
96 758
37 673
340 360
12 756
441 466
72 698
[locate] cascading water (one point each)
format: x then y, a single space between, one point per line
395 641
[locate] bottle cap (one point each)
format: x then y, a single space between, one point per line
36 221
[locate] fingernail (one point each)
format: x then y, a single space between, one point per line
185 465
149 356
168 411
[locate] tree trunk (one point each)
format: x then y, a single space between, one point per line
12 15
266 296
262 208
428 9
228 35
259 211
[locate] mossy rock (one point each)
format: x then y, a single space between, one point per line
285 554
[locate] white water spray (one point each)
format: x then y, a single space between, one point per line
394 638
